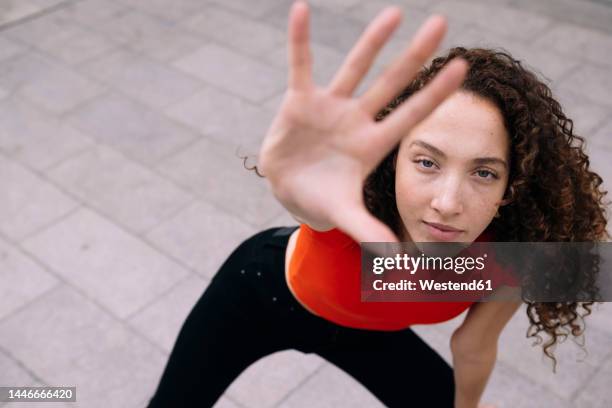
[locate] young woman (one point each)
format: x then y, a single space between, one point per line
474 148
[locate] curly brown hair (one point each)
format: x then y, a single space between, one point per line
553 194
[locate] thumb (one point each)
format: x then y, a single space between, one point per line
359 224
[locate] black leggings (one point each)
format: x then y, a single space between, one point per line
247 312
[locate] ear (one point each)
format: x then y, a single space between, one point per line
507 197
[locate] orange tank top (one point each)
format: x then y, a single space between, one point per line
324 274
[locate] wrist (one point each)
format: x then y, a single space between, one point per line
461 402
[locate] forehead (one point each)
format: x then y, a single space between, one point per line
464 124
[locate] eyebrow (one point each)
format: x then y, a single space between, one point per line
479 160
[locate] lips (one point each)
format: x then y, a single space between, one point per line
442 227
438 234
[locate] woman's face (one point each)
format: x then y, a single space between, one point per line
452 169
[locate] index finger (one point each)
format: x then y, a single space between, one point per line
300 58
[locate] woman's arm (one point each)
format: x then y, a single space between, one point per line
474 349
472 371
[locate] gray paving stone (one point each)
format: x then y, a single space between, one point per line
596 392
60 90
578 43
14 10
76 46
333 388
172 11
161 321
413 12
23 280
601 318
235 31
201 236
224 402
67 340
511 3
16 375
225 118
599 157
233 72
603 136
13 374
574 366
9 48
592 14
253 8
109 265
43 29
336 30
270 379
236 190
409 6
90 13
588 115
273 104
131 127
28 203
152 83
132 195
25 68
497 18
508 388
326 61
335 5
35 138
548 65
591 81
150 35
46 4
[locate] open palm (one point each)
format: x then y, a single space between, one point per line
324 142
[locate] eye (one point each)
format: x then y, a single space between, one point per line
428 164
484 173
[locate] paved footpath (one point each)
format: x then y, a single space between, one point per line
121 122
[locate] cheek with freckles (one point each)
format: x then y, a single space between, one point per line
480 213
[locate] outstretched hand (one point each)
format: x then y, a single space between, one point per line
324 142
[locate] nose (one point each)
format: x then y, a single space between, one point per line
447 200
